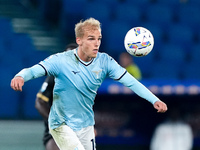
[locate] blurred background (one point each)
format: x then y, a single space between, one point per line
31 30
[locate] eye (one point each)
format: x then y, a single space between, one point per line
91 39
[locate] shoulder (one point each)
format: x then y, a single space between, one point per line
104 56
62 55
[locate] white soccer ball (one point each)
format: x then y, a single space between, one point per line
139 41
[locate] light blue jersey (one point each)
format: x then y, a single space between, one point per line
76 85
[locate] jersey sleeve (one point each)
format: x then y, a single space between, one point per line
46 91
115 71
33 72
51 64
137 87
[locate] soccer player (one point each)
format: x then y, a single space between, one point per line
78 75
43 104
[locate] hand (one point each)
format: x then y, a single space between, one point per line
160 106
17 83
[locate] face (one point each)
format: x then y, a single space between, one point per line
89 44
125 60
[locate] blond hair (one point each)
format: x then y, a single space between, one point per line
89 25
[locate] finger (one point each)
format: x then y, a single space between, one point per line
19 85
163 108
16 85
159 108
13 84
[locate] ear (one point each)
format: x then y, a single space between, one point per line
78 41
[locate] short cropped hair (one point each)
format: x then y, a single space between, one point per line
88 24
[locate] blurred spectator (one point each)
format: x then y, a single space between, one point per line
174 134
126 61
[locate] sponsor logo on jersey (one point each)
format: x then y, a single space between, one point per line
75 72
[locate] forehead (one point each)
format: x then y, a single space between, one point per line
92 32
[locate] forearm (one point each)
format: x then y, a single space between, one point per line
31 73
130 82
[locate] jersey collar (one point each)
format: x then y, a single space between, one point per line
81 61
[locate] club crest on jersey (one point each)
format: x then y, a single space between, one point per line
97 73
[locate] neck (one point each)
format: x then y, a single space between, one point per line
83 56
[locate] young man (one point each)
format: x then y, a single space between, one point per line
44 102
78 75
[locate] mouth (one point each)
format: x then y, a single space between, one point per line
95 51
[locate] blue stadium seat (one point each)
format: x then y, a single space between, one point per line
38 56
171 3
173 53
6 75
181 34
191 70
6 29
10 102
114 37
101 12
140 3
69 6
19 52
110 3
128 13
49 10
161 15
194 54
71 13
189 15
9 98
165 70
22 44
145 64
30 90
2 48
194 2
12 61
198 36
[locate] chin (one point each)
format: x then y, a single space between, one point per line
95 56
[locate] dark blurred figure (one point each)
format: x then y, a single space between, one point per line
126 61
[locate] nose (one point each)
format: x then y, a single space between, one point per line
98 42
